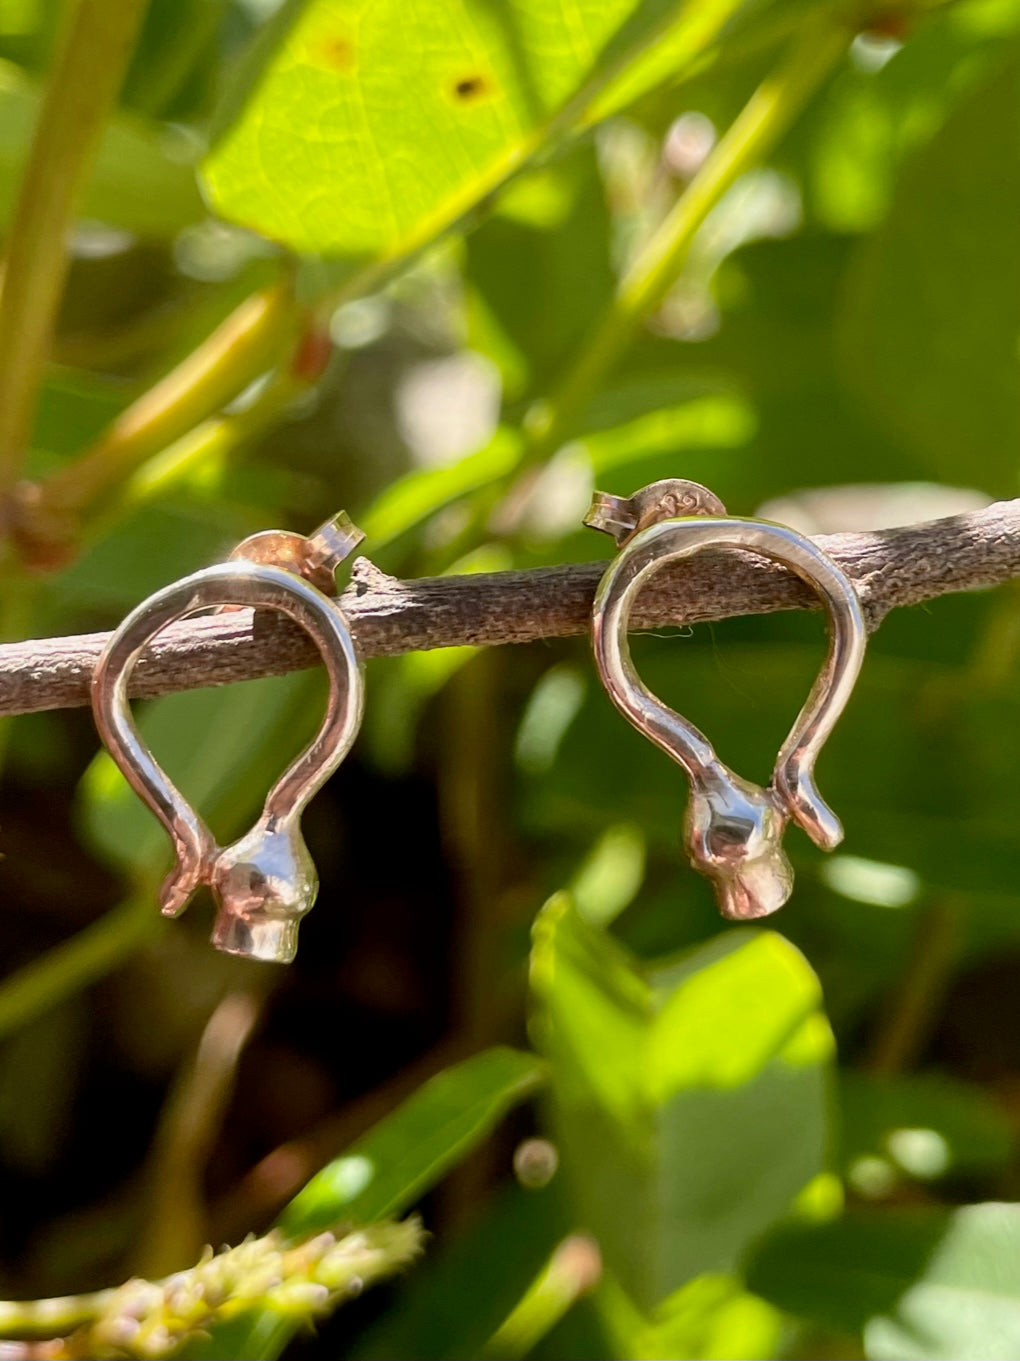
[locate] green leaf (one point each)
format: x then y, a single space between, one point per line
142 178
922 1285
711 1318
513 1235
931 317
870 120
74 406
178 56
392 1166
657 1078
326 153
419 494
565 258
387 1170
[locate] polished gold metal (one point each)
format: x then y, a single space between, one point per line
315 556
733 829
265 882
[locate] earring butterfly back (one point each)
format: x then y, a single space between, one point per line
733 829
265 882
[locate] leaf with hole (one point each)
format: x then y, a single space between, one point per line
369 127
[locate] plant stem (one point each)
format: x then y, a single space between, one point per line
76 963
571 1272
913 1007
51 1315
86 76
207 444
49 516
289 1282
176 1220
822 40
247 343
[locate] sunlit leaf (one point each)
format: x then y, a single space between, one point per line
658 1078
883 105
387 1170
712 1318
922 1285
325 152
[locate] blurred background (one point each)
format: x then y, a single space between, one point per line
840 352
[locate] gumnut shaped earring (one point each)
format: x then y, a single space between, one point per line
733 829
265 882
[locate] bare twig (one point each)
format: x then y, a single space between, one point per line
891 568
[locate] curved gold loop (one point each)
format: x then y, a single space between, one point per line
733 828
265 882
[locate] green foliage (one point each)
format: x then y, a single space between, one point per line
370 174
142 179
656 1079
919 1283
927 1126
386 1172
927 341
457 195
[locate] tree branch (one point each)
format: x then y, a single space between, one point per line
890 568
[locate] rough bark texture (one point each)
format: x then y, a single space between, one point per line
890 568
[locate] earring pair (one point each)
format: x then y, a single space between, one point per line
265 882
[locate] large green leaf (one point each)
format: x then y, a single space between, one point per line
922 1285
142 178
327 152
932 307
691 1100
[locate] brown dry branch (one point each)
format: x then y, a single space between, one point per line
889 567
